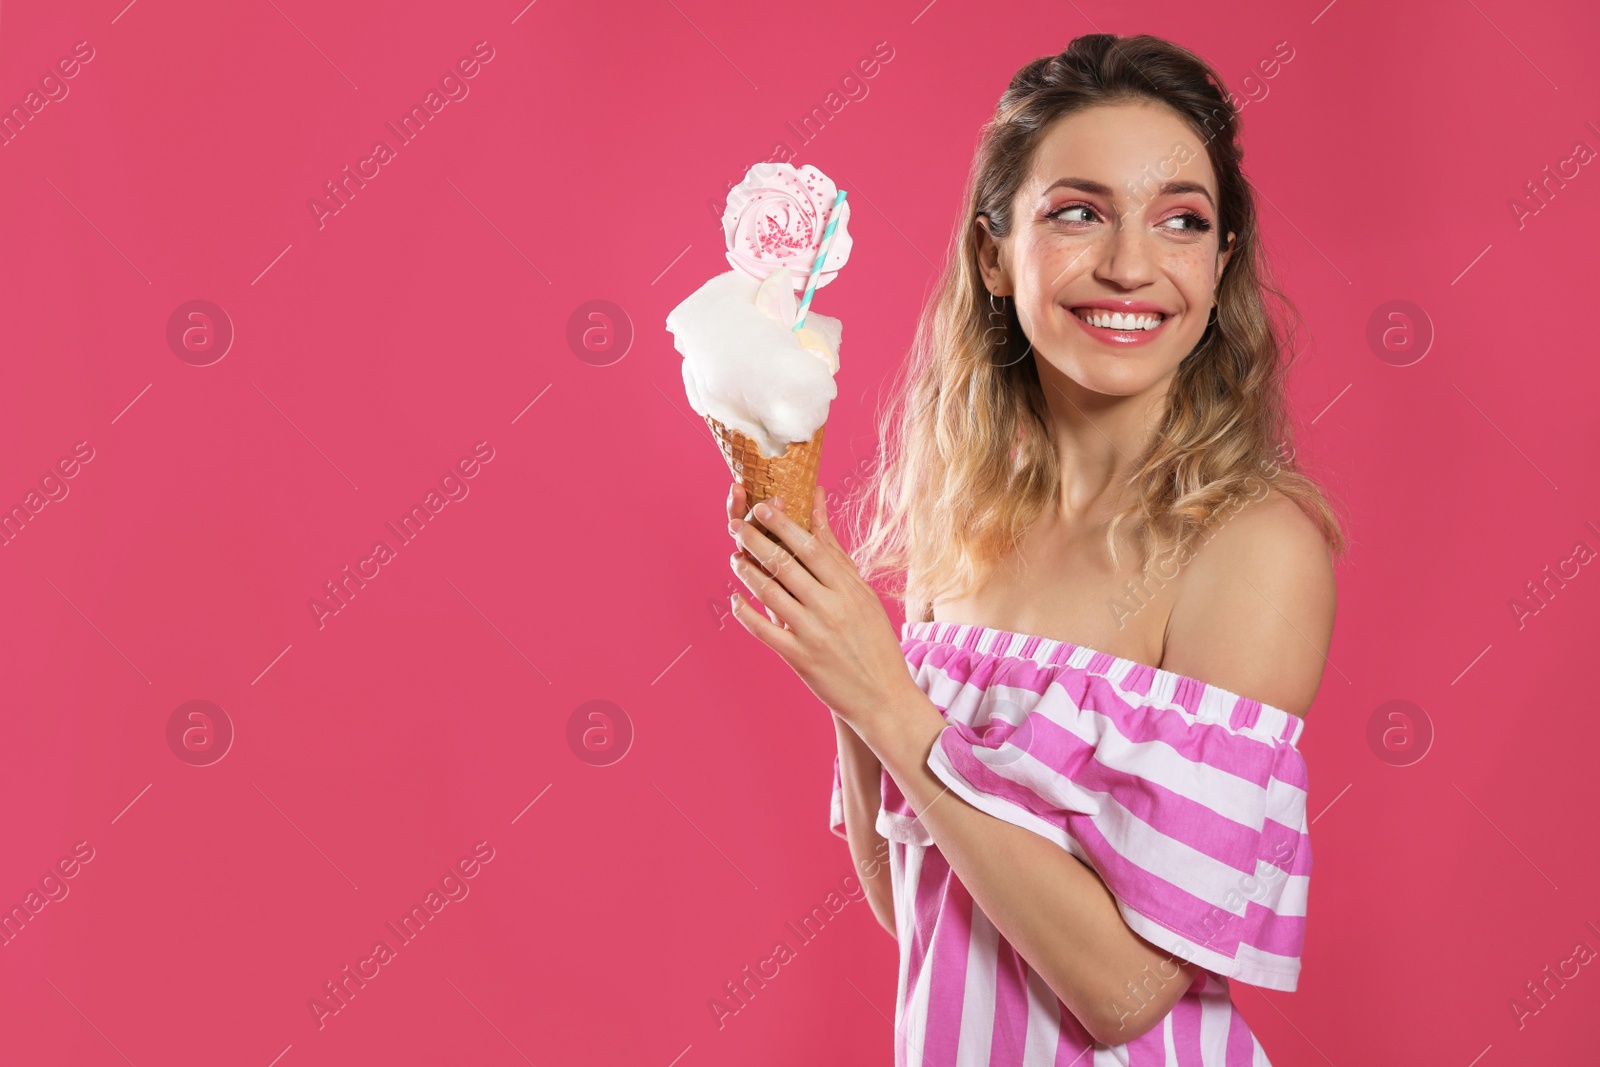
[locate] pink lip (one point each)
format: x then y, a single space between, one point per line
1125 306
1123 338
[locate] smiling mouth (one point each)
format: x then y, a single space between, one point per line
1124 322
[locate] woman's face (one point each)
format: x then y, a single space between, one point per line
1118 215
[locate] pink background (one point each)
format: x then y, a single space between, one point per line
588 560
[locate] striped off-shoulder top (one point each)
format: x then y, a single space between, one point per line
1187 800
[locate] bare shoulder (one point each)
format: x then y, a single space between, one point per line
1254 608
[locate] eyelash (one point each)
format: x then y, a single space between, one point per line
1200 223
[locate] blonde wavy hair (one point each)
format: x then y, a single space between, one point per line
966 462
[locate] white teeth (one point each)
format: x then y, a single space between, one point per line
1116 320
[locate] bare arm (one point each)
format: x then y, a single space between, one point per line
860 781
1256 617
1051 908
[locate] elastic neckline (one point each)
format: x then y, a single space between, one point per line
1047 651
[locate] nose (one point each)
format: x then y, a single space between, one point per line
1126 261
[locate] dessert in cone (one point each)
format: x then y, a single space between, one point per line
792 475
758 363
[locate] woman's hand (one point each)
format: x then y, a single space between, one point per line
824 620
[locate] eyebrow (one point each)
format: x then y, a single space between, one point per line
1167 188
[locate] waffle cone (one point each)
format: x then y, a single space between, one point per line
792 475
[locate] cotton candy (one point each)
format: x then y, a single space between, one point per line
748 370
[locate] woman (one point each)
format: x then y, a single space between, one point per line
1082 810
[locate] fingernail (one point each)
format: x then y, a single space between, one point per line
763 511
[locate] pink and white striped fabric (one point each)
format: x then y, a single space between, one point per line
1187 800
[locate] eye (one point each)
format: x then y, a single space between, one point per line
1198 223
1058 212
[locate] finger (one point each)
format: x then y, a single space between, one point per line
819 565
820 534
741 522
819 519
770 556
769 590
739 516
771 634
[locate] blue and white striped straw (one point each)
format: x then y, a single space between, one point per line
822 254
